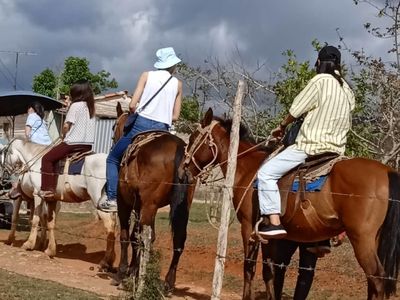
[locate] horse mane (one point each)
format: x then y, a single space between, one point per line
244 132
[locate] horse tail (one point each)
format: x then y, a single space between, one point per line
389 237
179 210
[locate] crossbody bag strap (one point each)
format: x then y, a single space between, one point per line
159 90
41 123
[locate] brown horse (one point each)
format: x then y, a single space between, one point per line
147 182
359 197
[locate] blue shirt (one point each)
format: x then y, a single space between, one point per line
39 132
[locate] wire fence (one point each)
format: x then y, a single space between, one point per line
215 184
73 232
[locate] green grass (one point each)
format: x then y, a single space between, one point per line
14 286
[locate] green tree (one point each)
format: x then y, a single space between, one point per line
376 84
75 68
190 114
45 83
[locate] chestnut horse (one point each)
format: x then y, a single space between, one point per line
148 182
361 197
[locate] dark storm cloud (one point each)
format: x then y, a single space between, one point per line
58 15
121 36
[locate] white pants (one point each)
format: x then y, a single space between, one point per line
269 174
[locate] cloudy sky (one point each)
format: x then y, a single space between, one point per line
121 36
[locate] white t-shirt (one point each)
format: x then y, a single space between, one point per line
83 127
160 109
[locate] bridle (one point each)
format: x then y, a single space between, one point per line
115 127
3 158
204 137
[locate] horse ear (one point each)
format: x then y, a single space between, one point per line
208 117
119 110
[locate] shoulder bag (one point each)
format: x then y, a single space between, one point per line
292 132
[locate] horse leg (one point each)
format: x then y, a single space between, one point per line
135 244
30 243
41 243
124 213
267 272
51 247
109 221
364 246
179 223
14 221
250 259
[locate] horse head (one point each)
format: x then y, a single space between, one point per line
209 145
119 123
12 155
201 151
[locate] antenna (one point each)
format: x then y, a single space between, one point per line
17 53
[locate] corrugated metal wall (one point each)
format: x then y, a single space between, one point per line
104 134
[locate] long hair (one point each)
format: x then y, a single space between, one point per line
38 108
330 67
82 91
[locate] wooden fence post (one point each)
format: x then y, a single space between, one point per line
228 193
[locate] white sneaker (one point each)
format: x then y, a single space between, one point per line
108 205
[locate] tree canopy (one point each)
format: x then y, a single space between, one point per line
74 69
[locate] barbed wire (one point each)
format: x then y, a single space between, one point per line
291 265
221 186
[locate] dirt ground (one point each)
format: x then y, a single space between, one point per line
81 245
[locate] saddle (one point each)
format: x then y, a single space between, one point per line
73 163
137 142
315 167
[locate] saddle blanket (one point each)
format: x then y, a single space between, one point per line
312 186
75 168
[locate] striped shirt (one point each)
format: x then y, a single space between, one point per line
328 109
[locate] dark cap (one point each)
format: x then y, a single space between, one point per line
329 53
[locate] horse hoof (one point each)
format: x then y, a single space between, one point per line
115 282
49 253
27 246
8 242
168 289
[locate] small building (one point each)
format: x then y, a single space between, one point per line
106 115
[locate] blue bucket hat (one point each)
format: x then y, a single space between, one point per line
166 58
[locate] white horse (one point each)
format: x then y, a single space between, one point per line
89 185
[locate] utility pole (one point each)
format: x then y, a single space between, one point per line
17 53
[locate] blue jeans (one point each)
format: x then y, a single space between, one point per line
117 151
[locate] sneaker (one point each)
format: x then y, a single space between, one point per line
108 205
269 231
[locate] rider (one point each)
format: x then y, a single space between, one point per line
35 128
327 101
78 134
36 132
164 108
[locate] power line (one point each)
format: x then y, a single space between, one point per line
17 53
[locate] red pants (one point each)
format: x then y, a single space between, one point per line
49 160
